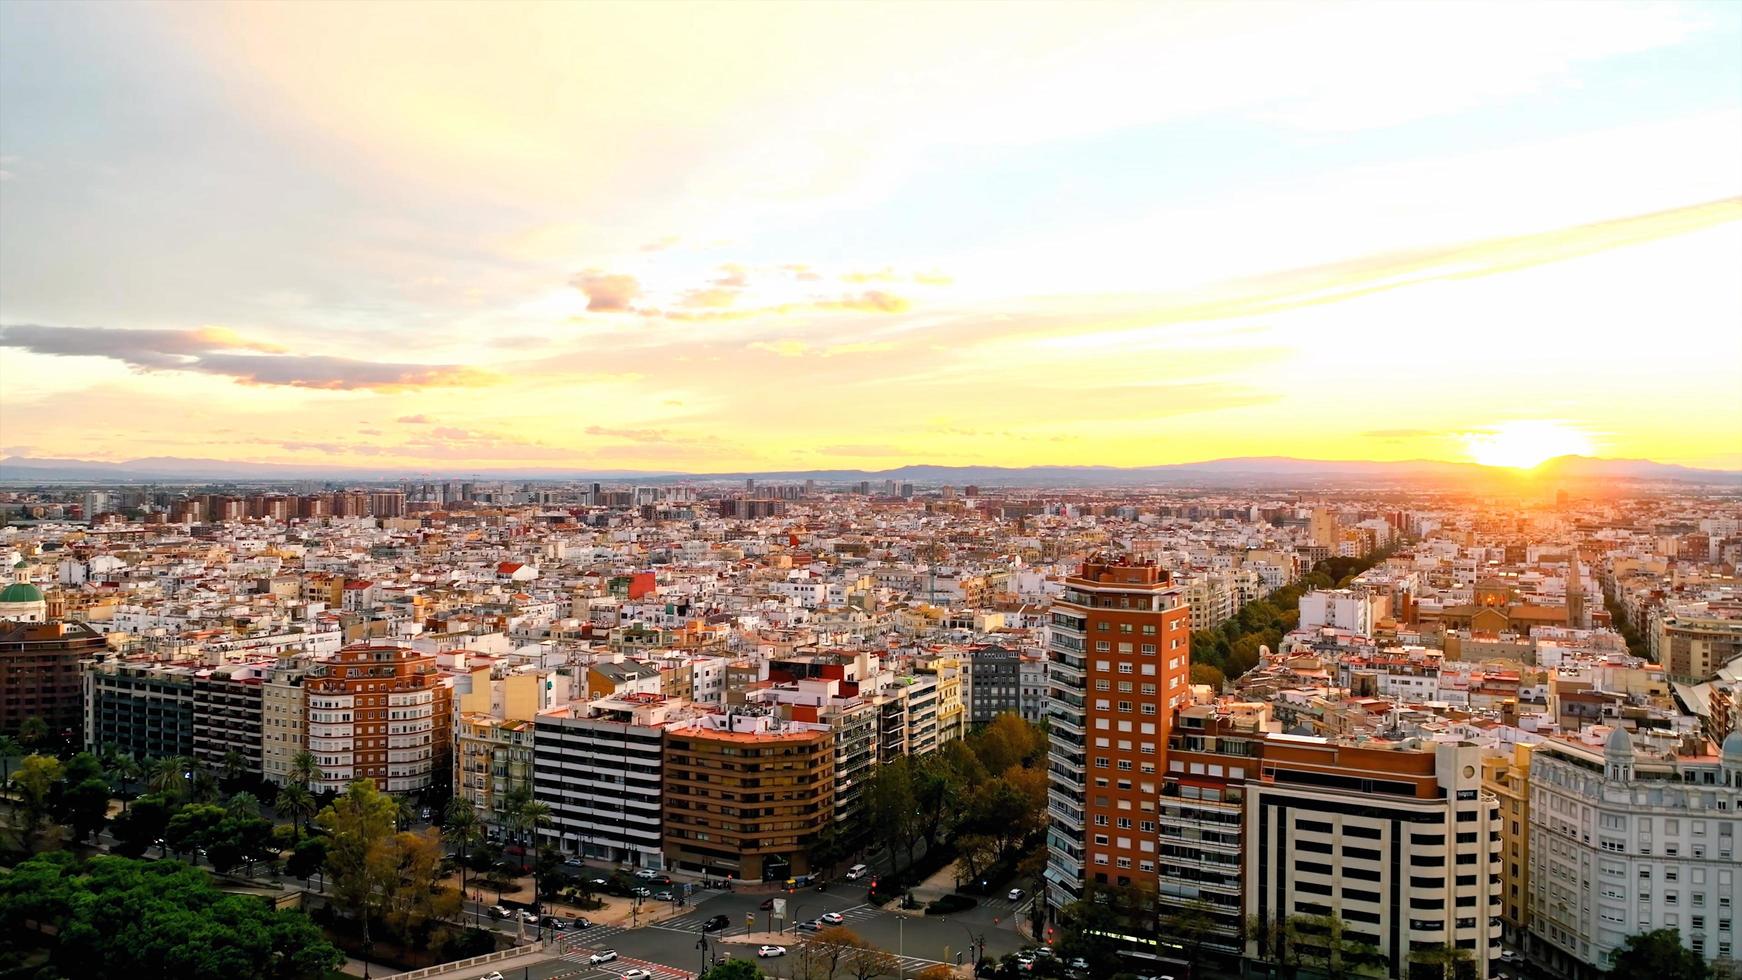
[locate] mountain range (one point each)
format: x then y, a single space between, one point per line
1241 471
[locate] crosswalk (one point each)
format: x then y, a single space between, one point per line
577 949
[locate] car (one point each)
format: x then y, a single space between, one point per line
499 912
637 973
1046 951
571 861
767 905
492 975
857 871
529 917
1508 956
553 922
1078 963
646 874
1015 895
662 896
640 891
602 956
810 925
715 924
767 951
832 918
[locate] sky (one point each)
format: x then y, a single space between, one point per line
722 237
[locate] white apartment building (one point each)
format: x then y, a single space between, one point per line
1629 835
600 768
1402 844
1344 609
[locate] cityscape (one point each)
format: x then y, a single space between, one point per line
870 491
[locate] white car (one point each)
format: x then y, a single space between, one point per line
638 974
646 874
766 951
832 918
602 956
1016 894
492 975
530 918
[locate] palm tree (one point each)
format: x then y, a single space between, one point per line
204 784
303 769
125 770
404 812
168 776
234 765
9 747
33 732
242 805
462 828
296 800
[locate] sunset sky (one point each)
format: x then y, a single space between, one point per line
766 236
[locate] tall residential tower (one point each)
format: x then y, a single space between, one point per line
1119 662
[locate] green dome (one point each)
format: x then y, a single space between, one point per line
21 592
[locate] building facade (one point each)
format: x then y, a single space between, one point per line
39 675
1630 835
600 768
746 795
379 713
1120 662
283 718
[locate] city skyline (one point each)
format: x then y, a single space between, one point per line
693 238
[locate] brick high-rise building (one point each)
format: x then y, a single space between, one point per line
39 675
1120 662
381 713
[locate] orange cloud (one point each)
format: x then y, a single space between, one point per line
607 292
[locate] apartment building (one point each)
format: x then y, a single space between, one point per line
994 682
746 794
1398 842
1120 663
907 722
1508 778
1631 833
951 710
227 717
1694 640
140 708
283 718
493 757
600 768
39 674
380 713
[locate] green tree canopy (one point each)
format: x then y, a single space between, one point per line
1658 954
119 918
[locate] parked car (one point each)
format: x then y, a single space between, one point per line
602 956
1015 894
646 874
715 924
766 951
832 918
572 861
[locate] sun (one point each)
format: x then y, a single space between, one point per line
1524 444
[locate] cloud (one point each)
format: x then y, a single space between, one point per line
932 279
634 435
215 351
709 298
884 274
660 244
869 301
735 276
784 348
607 292
414 420
802 272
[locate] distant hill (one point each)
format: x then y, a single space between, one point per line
1278 471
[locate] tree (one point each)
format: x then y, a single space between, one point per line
168 777
1658 954
462 828
890 806
303 769
142 826
33 732
733 970
35 784
9 749
359 825
113 918
868 962
191 826
242 805
85 806
125 770
1208 674
1191 926
308 857
833 946
937 971
416 900
295 799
